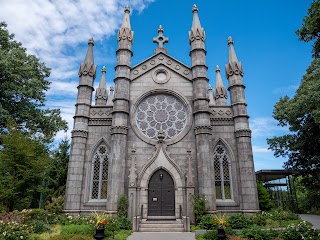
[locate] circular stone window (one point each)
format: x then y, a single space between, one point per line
161 111
161 76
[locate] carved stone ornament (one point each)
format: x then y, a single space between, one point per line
220 92
133 171
87 68
197 34
160 76
125 33
234 68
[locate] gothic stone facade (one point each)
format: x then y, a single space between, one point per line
161 135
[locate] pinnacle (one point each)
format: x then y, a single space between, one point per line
104 69
194 8
91 41
230 41
127 9
217 68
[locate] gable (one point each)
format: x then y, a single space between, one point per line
161 59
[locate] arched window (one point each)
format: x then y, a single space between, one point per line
222 170
99 175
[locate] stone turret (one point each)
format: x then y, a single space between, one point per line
248 189
201 110
220 92
210 94
120 114
79 134
102 92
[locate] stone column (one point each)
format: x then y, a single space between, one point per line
79 134
120 114
248 188
201 111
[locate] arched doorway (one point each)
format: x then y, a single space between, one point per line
161 194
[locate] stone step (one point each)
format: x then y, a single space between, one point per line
178 221
163 225
161 229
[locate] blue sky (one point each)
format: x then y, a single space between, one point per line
273 59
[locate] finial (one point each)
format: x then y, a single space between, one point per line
91 41
209 88
217 68
220 92
160 39
127 9
230 41
104 69
194 8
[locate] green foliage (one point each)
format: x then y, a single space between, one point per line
259 220
264 198
278 214
206 222
302 115
300 231
71 237
310 29
22 89
239 221
199 206
56 205
38 226
112 225
123 204
23 162
209 235
257 233
124 223
77 229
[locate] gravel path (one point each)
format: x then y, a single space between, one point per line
314 219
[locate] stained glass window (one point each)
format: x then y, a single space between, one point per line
161 111
99 178
222 170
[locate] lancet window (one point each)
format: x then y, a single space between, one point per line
222 169
99 175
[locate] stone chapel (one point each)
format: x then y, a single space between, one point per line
161 135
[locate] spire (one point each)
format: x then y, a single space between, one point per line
196 32
232 53
88 67
111 96
220 92
210 93
233 67
101 93
125 30
160 40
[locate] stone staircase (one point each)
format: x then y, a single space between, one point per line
147 225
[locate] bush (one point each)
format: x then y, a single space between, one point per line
14 231
264 198
199 206
278 214
258 233
259 220
239 221
70 237
122 208
55 206
206 222
38 226
300 231
210 235
125 223
77 229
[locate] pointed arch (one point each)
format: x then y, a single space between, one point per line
223 170
99 171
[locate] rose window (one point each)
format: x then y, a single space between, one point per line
161 111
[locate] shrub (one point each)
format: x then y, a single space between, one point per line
14 231
125 223
258 233
259 220
38 226
278 214
239 221
70 237
55 206
300 231
77 229
210 235
264 198
199 206
206 222
122 208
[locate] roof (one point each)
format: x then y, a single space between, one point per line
273 174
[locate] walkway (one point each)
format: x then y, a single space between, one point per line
314 219
161 236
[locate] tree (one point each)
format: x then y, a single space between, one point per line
310 30
23 85
301 113
23 162
264 198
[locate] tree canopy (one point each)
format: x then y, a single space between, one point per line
301 113
23 84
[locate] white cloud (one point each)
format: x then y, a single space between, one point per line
266 127
259 149
286 90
